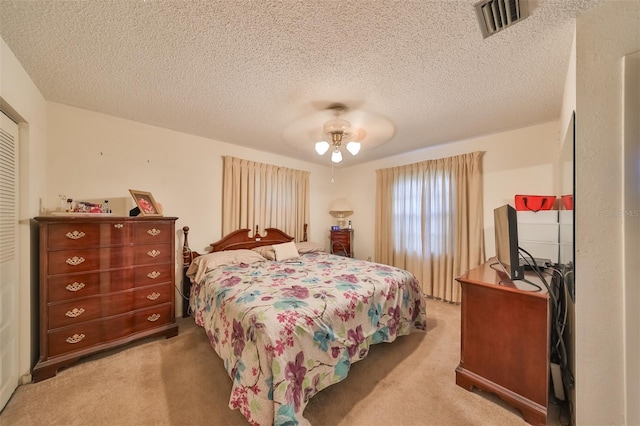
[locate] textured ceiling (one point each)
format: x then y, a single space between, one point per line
249 72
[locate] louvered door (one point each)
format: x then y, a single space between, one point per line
8 258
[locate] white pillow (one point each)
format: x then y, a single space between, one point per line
266 251
308 247
286 251
202 264
247 256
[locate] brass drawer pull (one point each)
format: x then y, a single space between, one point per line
75 260
75 235
154 274
75 338
75 286
153 318
153 296
75 312
153 253
153 232
118 225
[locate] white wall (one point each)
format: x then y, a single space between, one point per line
23 102
605 34
519 161
96 156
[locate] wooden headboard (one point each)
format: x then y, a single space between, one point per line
239 239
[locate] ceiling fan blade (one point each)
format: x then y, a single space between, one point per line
359 135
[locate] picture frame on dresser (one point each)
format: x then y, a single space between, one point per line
146 203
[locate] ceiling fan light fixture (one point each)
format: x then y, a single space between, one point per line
322 147
339 133
353 147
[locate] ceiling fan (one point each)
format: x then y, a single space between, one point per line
339 131
337 126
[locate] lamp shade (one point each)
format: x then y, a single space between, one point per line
322 147
353 147
336 156
340 205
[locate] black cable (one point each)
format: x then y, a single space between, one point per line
560 348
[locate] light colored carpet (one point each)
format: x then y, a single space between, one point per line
181 381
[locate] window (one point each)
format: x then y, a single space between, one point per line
422 207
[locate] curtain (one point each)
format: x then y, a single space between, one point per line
429 221
264 195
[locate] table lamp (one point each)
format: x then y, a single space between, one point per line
340 208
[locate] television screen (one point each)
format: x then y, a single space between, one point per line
506 230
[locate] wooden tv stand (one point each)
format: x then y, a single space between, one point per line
505 339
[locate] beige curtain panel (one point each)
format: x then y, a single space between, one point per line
429 221
264 195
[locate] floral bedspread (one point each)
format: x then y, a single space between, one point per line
285 331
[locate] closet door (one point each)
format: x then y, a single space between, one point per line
8 258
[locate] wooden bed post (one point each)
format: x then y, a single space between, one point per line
186 252
187 257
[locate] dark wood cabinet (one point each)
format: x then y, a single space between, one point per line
505 340
342 242
104 281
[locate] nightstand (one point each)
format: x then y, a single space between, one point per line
342 242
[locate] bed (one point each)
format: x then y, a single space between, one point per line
288 323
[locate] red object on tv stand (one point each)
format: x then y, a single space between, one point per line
534 203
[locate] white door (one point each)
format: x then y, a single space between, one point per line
8 258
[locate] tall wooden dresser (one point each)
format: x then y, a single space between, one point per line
104 282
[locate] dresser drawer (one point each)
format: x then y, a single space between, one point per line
154 295
78 235
73 235
84 335
152 317
69 261
151 254
76 311
340 236
151 232
68 287
152 274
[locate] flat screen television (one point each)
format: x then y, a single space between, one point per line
506 229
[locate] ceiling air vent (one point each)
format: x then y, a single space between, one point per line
496 15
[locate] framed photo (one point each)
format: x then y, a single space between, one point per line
146 203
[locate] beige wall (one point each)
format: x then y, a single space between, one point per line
605 34
95 156
631 231
23 102
515 162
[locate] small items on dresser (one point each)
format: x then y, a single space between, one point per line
104 282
